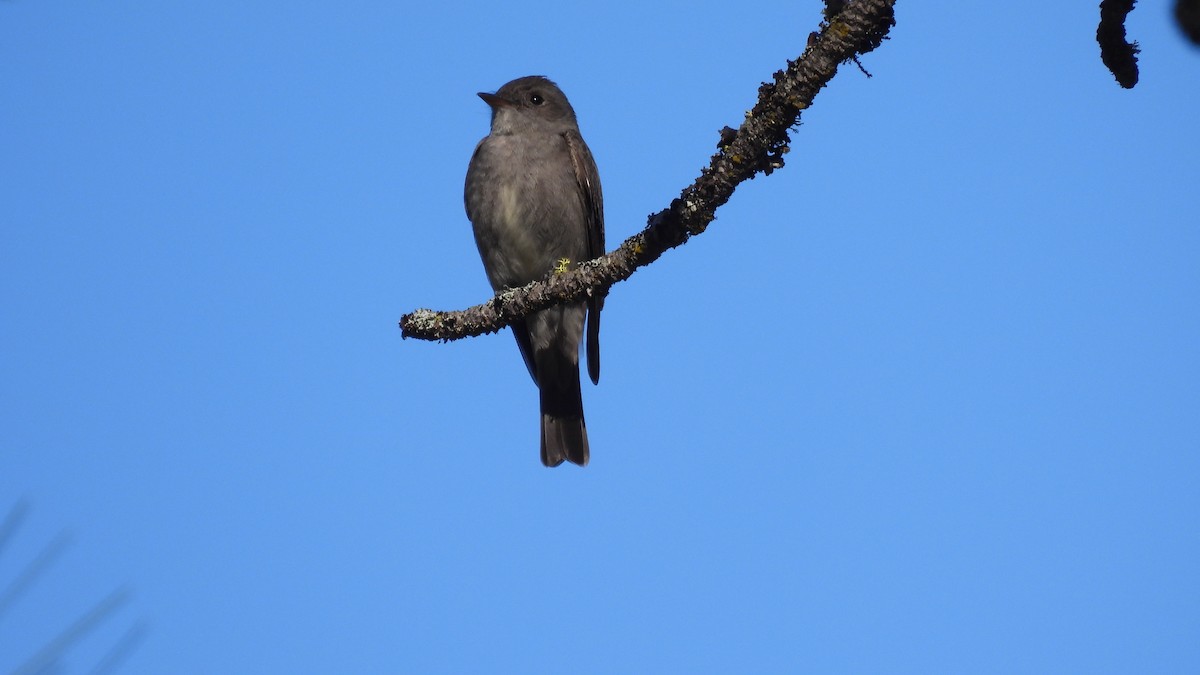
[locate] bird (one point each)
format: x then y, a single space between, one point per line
533 197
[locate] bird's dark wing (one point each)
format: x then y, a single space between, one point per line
588 180
520 331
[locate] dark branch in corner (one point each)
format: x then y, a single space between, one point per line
1118 55
1187 14
757 147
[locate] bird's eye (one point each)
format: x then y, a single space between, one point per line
537 99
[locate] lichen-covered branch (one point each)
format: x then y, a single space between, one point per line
1117 54
758 146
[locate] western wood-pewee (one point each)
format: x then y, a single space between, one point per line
533 198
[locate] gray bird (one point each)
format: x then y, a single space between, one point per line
533 198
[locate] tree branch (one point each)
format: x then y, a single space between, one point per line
758 146
1118 55
1187 14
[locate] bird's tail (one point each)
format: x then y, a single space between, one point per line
564 434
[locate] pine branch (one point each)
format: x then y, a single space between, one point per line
757 147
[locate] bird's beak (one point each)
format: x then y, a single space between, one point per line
494 101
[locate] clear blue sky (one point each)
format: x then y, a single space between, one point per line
927 400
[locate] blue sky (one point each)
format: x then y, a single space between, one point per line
923 401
